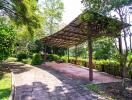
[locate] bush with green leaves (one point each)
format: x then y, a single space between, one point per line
53 57
11 59
37 59
7 39
27 61
35 46
21 55
64 59
108 66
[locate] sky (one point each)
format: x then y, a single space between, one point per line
72 8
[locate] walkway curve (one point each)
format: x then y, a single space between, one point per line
37 83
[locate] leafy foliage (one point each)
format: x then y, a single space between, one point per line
53 10
104 48
21 55
37 59
35 47
104 6
11 59
53 57
7 39
24 12
80 52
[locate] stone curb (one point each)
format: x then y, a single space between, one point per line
11 97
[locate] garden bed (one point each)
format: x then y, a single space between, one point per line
112 90
5 83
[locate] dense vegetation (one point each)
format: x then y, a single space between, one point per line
7 38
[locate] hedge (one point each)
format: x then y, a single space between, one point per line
108 66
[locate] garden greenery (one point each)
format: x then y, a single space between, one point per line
7 39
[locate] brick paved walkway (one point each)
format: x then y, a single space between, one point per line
76 71
35 83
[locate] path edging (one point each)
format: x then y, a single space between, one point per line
11 97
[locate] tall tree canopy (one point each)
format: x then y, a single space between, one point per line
22 12
53 10
104 6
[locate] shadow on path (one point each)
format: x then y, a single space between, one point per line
48 84
18 68
40 91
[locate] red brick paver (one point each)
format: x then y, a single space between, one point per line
36 83
83 73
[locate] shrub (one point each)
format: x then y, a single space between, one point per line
37 59
64 59
108 66
11 59
21 55
53 57
27 61
7 39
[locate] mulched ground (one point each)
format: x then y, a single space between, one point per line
115 90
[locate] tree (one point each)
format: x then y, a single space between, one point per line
22 12
79 51
104 6
53 10
7 39
104 48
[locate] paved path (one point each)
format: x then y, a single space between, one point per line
34 83
76 71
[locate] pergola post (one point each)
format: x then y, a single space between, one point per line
121 53
90 63
45 53
68 55
75 54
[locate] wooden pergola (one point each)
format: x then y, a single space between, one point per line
84 28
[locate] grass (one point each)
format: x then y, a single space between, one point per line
5 84
97 89
25 61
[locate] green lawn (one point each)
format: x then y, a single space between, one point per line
5 84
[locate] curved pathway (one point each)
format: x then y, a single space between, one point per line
37 83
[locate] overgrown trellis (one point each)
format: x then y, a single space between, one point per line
84 28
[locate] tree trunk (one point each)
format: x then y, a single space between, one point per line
68 55
130 42
90 63
121 54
